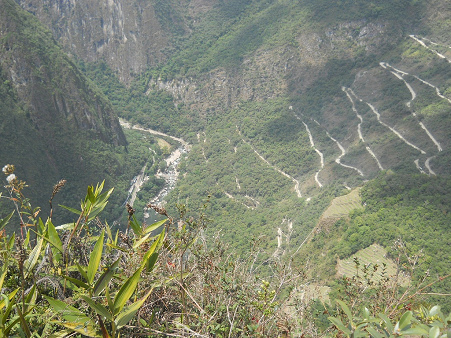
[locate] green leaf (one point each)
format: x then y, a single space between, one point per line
129 312
27 240
30 299
434 332
141 241
387 322
434 311
151 261
105 278
116 247
339 324
54 238
345 309
155 245
3 275
90 195
9 298
11 241
68 312
33 258
75 211
100 309
366 313
5 220
23 322
60 334
405 319
41 226
94 259
126 291
67 226
87 328
136 227
416 331
77 282
11 326
374 333
108 298
154 226
82 271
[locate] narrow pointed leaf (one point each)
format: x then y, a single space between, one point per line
75 211
387 322
345 309
27 240
33 258
151 262
11 241
155 245
23 322
10 326
30 299
109 299
116 247
5 220
3 275
10 297
54 237
141 241
96 256
126 291
154 226
77 282
136 227
374 333
82 271
68 312
100 309
105 278
87 328
416 331
60 334
339 324
90 195
129 312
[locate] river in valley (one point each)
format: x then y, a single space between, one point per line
170 174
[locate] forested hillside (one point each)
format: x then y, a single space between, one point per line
286 105
55 123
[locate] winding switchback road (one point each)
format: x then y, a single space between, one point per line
427 47
359 129
296 182
400 75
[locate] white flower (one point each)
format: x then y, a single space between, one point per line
5 168
11 178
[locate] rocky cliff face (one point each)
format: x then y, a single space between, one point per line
126 34
53 120
57 96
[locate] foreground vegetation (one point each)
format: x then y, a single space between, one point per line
168 279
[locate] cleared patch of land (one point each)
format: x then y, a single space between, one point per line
163 144
374 255
341 206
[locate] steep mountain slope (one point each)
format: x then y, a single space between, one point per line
129 35
54 122
291 102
